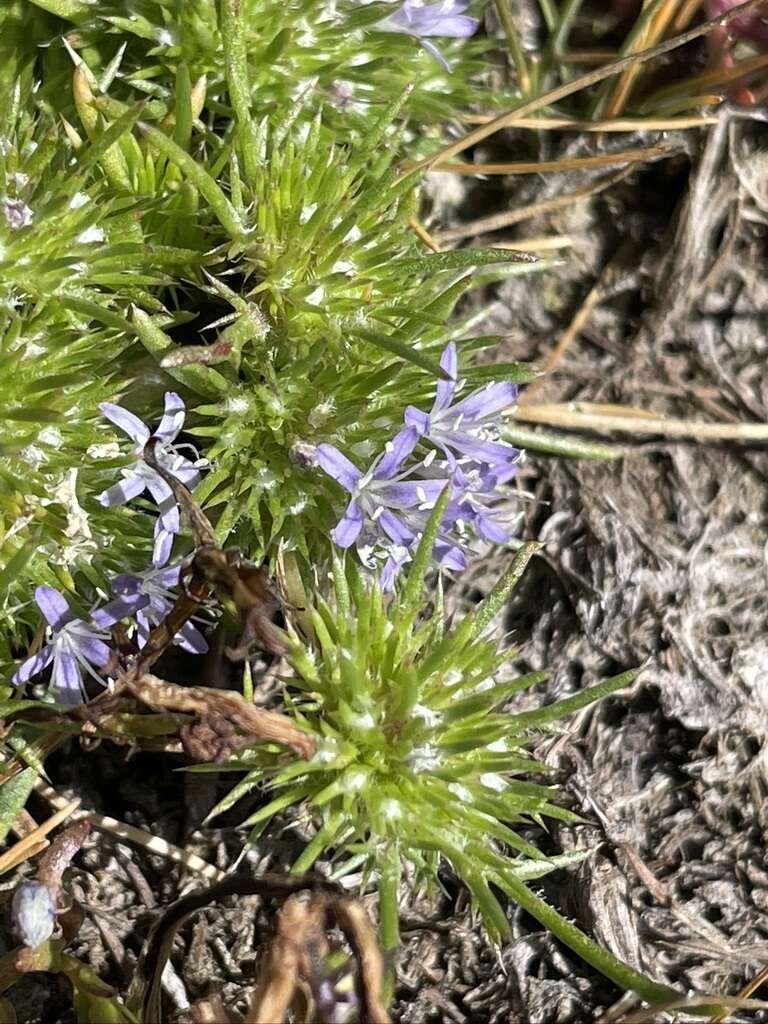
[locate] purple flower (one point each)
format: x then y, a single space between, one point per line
147 597
73 646
140 476
377 492
386 510
391 504
480 492
421 20
470 427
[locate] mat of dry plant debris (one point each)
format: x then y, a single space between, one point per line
654 558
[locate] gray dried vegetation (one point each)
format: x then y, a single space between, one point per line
657 558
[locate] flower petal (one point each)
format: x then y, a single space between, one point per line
66 682
126 583
417 419
395 529
186 472
168 577
160 491
489 453
338 466
143 627
347 529
449 361
410 493
120 608
395 453
126 421
163 545
54 607
90 647
32 666
486 402
486 528
189 638
449 556
173 418
500 473
397 559
130 487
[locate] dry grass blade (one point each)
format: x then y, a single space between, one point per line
623 124
652 1013
546 243
578 163
498 221
138 836
573 329
713 79
651 34
512 117
601 419
20 852
35 841
421 233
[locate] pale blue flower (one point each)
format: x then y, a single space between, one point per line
376 494
72 647
446 19
139 476
386 510
391 504
147 597
468 429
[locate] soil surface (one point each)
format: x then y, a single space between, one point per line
655 558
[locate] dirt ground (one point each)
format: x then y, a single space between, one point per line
657 558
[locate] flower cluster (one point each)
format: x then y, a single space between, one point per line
390 503
76 646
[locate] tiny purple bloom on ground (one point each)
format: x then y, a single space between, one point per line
139 476
147 597
73 646
420 20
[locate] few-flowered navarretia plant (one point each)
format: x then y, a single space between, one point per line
420 760
134 237
210 236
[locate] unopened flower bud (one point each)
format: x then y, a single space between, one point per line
17 214
33 913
